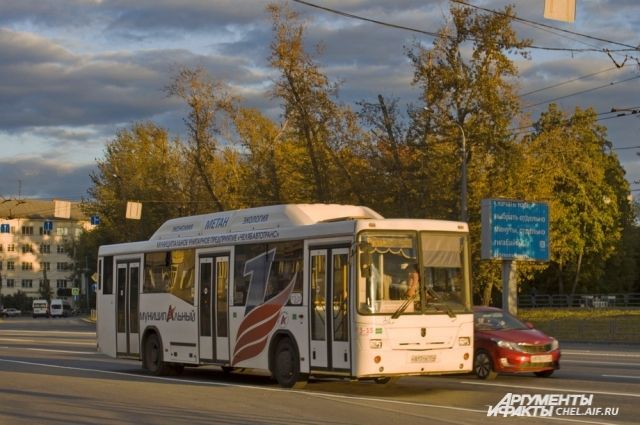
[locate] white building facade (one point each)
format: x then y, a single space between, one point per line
33 244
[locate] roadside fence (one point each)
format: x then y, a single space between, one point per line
580 300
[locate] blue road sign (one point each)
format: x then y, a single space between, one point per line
47 225
515 230
95 220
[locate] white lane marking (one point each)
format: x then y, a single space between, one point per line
621 376
18 339
52 341
549 389
307 393
49 350
600 363
599 353
46 332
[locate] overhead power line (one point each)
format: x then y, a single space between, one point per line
436 35
362 18
582 77
613 83
637 48
529 128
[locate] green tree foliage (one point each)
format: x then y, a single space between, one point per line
141 164
327 131
401 163
397 165
470 93
468 97
272 164
570 164
19 300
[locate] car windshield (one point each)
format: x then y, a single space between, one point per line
496 321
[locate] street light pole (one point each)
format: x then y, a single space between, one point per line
464 216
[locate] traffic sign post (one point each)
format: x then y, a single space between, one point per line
514 230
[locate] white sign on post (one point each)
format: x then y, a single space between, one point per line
560 10
62 209
134 210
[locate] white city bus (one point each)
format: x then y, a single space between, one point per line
293 290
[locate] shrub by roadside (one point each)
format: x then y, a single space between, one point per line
587 325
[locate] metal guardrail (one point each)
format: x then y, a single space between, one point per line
580 300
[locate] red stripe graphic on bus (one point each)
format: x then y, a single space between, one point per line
258 324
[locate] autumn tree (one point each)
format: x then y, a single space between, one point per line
570 163
396 172
209 104
328 131
467 95
470 95
272 162
141 164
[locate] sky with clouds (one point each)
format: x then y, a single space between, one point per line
74 72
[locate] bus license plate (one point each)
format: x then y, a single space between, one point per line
546 358
423 358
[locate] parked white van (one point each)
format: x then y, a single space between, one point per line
40 308
56 308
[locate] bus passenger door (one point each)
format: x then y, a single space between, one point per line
127 308
213 309
329 283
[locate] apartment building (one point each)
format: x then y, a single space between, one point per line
32 245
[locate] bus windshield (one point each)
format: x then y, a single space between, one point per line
412 273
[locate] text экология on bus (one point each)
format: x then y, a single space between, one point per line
295 290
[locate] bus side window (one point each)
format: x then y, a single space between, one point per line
107 276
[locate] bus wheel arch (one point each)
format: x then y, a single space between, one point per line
152 353
284 361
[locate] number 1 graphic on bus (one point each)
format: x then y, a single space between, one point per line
252 339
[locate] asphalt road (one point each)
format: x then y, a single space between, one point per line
50 373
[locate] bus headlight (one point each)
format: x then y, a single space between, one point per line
464 341
375 343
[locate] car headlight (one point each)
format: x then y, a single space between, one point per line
508 345
554 344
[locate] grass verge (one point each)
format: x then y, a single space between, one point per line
587 325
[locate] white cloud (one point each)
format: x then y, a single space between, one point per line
69 81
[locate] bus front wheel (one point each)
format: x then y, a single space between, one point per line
287 365
153 357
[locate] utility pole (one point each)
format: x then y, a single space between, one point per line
464 214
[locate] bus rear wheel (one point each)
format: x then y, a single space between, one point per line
287 365
153 357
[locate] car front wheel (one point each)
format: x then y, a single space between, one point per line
483 365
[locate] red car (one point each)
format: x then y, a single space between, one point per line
505 344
